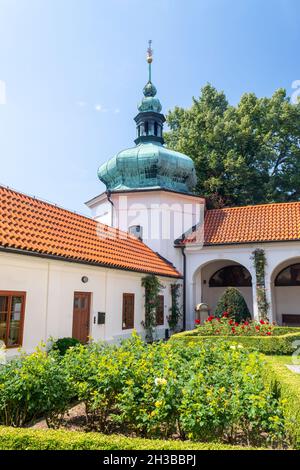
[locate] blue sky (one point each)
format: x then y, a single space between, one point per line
74 72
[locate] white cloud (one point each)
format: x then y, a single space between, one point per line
100 109
2 92
296 94
81 104
117 111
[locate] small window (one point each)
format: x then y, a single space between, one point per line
137 231
231 276
128 312
289 276
12 308
160 317
146 127
155 128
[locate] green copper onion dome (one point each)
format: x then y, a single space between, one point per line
149 102
149 165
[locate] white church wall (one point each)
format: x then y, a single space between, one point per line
163 215
50 287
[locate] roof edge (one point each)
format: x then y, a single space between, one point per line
36 254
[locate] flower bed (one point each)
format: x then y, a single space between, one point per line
226 326
206 392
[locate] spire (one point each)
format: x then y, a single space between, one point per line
149 89
150 57
149 120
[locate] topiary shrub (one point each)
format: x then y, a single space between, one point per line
234 304
63 344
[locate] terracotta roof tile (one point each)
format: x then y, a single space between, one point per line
32 225
261 223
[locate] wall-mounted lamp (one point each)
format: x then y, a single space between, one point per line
84 279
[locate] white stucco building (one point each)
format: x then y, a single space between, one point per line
63 274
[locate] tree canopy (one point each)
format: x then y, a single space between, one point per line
244 154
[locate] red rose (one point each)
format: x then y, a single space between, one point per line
197 322
269 333
257 327
225 315
236 323
262 322
246 323
230 322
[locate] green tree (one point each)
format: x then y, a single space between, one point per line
244 154
232 302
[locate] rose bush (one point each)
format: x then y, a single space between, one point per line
163 390
34 386
226 326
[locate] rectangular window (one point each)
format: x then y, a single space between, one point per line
160 320
12 308
128 312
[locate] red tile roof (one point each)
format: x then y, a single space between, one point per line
261 223
37 227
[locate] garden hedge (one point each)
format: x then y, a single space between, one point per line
37 439
287 384
271 345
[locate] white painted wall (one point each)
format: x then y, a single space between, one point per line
287 301
163 215
50 287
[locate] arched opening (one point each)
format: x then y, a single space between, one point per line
286 293
231 276
211 280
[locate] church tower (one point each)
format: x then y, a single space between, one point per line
149 188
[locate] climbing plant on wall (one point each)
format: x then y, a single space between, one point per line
175 310
259 259
152 287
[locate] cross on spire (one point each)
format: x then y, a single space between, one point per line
150 57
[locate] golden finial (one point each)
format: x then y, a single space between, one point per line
150 53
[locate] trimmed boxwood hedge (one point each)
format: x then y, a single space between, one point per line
287 384
37 439
272 345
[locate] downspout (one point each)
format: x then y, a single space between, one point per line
184 289
108 194
47 302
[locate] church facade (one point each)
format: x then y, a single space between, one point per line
63 274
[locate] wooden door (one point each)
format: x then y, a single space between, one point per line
128 312
81 316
